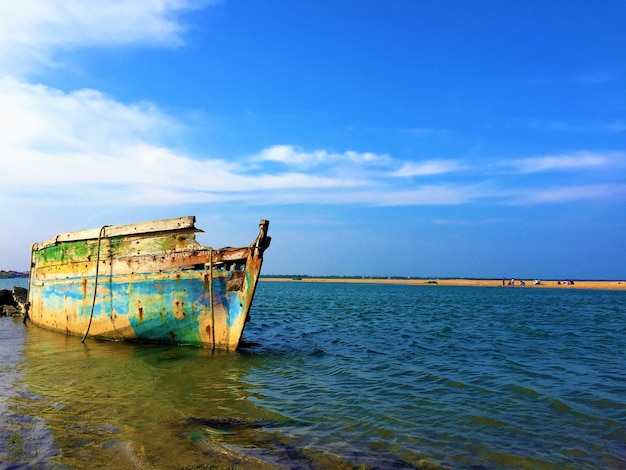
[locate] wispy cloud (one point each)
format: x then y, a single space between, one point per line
469 222
41 118
421 131
581 160
292 156
571 193
609 127
432 167
67 142
86 146
32 32
381 196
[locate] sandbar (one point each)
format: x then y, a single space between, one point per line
516 283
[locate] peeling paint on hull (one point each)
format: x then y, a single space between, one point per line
145 282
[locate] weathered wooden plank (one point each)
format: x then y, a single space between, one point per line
150 281
162 225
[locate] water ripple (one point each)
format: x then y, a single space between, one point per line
338 376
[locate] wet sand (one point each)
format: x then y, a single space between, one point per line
529 283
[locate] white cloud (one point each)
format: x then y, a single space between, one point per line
432 167
376 195
576 161
33 31
565 194
444 194
46 119
87 148
291 156
469 222
587 127
83 144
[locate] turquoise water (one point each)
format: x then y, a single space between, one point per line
336 376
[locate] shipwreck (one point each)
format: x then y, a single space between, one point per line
145 282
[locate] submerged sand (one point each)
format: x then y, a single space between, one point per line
527 283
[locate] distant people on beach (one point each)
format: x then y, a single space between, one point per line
511 282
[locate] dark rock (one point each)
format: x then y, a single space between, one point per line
13 302
6 298
20 295
9 311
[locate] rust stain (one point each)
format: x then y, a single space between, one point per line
66 265
179 310
235 283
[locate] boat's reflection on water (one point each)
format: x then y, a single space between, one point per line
118 405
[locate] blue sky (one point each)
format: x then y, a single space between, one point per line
409 138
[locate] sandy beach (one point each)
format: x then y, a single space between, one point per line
527 283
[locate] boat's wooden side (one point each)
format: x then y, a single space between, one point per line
145 284
186 223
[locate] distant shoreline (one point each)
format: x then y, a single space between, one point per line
13 274
561 284
611 285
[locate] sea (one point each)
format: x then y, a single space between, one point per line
335 375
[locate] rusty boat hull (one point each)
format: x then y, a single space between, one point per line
145 282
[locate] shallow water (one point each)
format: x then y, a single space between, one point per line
336 375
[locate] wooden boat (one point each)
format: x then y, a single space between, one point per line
145 282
